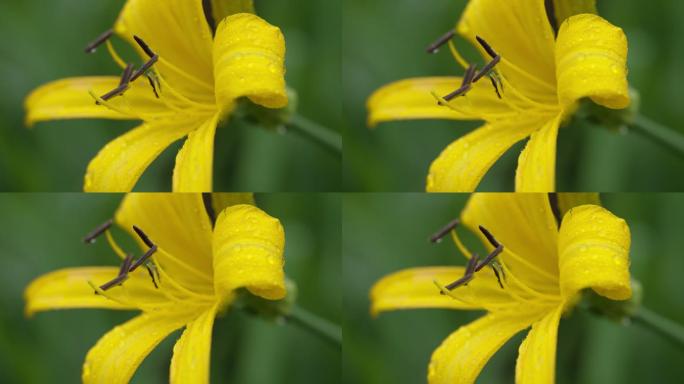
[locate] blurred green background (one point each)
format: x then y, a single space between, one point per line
384 41
45 41
383 233
40 233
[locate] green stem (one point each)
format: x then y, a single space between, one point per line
329 139
660 325
660 134
326 330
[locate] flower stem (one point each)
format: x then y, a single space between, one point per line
326 137
323 328
658 133
660 325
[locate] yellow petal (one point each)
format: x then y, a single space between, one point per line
248 252
567 8
525 225
224 8
118 354
537 355
68 288
223 200
415 288
177 223
411 99
194 162
249 61
519 31
119 165
178 32
461 166
537 162
70 99
464 353
191 354
569 200
591 59
593 248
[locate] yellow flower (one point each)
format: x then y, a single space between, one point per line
198 80
198 271
545 268
542 77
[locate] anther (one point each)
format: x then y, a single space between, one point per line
488 48
146 48
439 235
467 276
126 75
434 47
461 91
145 68
95 233
487 68
143 258
122 276
92 47
114 92
143 237
489 236
466 84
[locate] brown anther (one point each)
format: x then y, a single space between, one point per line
144 68
146 48
145 239
143 258
489 236
434 47
459 92
439 235
126 75
93 235
92 47
122 276
488 48
114 92
487 68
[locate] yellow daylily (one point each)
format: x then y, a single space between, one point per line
199 77
546 267
543 76
199 270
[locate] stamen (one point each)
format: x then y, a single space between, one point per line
114 92
469 75
144 46
439 235
95 233
144 68
126 76
487 68
496 87
434 47
121 277
490 257
154 88
92 47
143 237
149 271
461 91
143 258
488 48
467 276
489 237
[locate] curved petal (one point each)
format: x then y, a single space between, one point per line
591 59
519 31
194 162
570 200
567 8
526 226
223 200
464 353
191 354
411 99
248 252
461 166
537 162
178 32
593 248
178 224
119 165
415 288
249 61
224 8
70 99
537 354
118 354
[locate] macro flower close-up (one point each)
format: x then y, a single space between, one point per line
195 268
542 265
541 63
190 80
